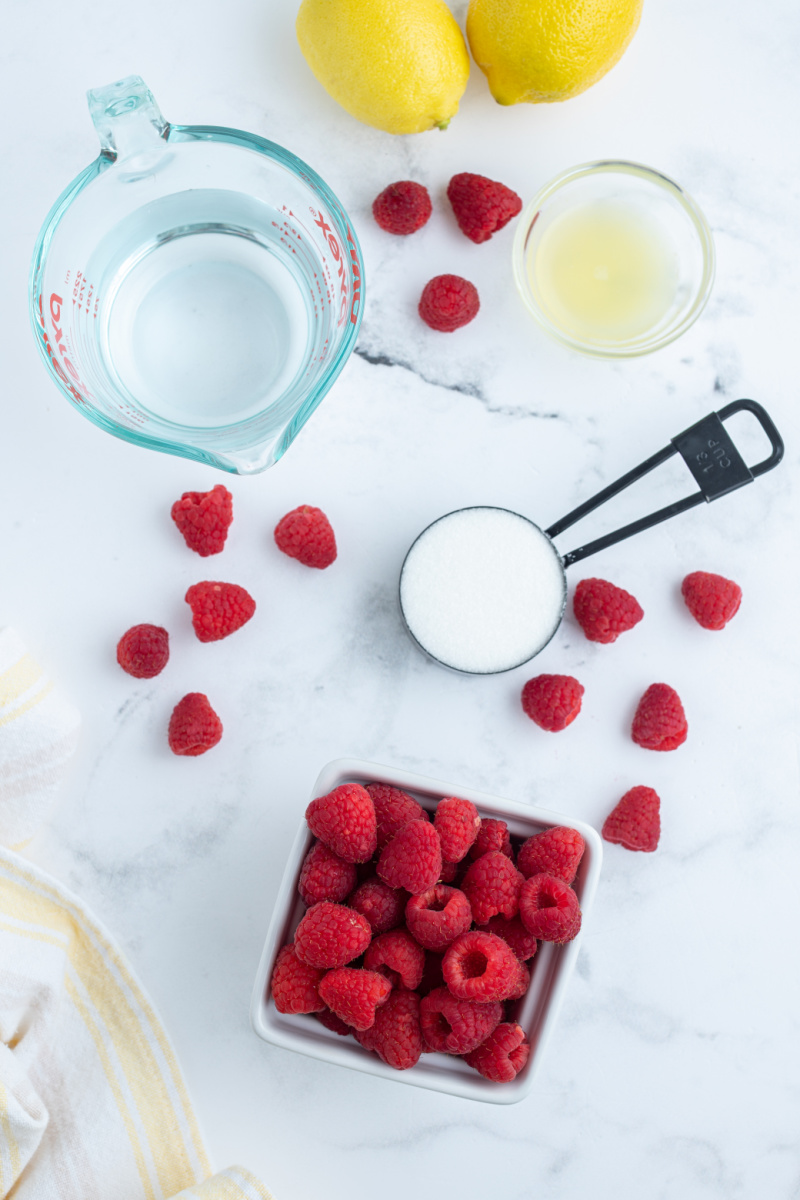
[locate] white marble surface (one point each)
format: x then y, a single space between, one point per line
673 1072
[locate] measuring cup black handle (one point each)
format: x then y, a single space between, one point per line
709 453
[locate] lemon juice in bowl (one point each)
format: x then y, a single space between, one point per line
614 259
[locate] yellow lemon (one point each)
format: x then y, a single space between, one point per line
536 51
400 65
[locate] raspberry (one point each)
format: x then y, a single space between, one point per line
331 1021
452 1026
492 885
552 701
481 205
218 609
305 533
395 1036
660 722
492 835
325 876
604 611
513 932
449 871
412 859
711 599
393 810
448 302
330 935
204 519
354 995
503 1055
549 909
294 984
143 651
457 823
402 207
345 821
397 956
381 905
635 823
194 727
522 985
556 851
438 916
480 966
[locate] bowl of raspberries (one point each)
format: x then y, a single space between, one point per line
425 933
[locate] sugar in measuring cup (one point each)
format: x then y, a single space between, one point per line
483 589
196 289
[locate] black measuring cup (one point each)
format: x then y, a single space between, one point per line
483 590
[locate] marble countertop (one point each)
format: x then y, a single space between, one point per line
672 1072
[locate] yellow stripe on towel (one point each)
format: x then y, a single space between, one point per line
17 679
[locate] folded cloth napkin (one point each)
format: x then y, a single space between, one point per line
92 1102
38 734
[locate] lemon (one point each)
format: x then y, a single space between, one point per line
400 65
537 51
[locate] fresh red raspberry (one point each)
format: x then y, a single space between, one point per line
604 611
325 876
194 727
492 885
294 984
552 701
660 722
402 207
448 302
432 976
481 205
412 859
522 984
438 916
711 599
306 534
331 1021
513 932
451 1026
384 907
480 966
331 935
345 821
393 810
635 822
397 956
143 651
449 872
503 1055
354 995
549 909
457 823
492 835
204 519
556 851
395 1036
218 609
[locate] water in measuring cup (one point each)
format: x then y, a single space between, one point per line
204 323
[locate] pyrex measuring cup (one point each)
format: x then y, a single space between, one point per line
196 289
483 590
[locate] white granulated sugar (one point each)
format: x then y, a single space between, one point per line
482 590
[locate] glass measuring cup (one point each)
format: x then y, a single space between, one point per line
195 289
483 590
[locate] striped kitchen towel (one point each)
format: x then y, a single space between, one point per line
92 1102
38 734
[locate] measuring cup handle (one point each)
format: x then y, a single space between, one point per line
712 458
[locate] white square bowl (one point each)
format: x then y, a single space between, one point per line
551 967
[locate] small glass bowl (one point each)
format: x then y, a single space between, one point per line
656 200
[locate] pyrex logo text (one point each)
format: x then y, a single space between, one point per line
336 251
